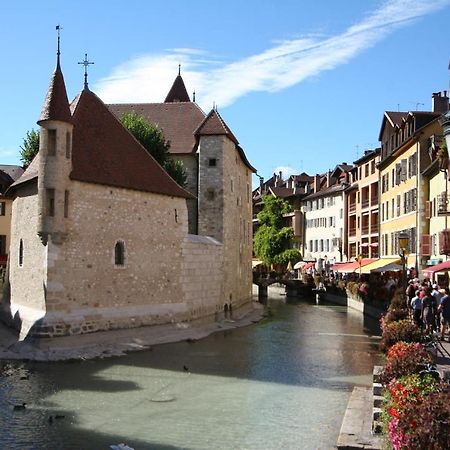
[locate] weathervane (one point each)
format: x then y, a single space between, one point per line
85 63
58 30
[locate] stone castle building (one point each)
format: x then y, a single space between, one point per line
100 232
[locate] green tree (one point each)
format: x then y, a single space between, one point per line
271 242
29 148
152 139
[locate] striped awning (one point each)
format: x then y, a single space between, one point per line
352 267
378 264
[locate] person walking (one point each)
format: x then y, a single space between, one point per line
428 315
416 306
444 310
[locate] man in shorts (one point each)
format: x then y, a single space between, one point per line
444 309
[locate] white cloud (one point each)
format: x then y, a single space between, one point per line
286 171
148 78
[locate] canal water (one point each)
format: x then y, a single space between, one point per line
283 383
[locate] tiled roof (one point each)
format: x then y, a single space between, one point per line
56 105
213 124
178 121
282 192
178 92
396 118
104 152
13 171
327 191
30 173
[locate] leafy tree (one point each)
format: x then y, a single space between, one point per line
152 139
271 242
30 147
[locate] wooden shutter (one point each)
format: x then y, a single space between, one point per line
444 242
427 210
426 244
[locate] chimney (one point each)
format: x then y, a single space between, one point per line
328 178
439 102
279 179
316 183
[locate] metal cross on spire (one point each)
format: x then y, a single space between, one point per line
86 63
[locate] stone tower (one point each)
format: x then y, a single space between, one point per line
55 161
224 204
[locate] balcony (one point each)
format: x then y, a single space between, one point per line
373 229
352 208
442 201
352 231
374 201
365 203
365 229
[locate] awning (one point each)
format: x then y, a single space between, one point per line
378 263
299 265
351 267
442 267
391 267
308 266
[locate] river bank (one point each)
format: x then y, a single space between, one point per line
118 342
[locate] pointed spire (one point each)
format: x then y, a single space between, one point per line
178 92
56 104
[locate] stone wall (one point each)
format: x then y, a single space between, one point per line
210 187
237 227
191 167
202 276
25 300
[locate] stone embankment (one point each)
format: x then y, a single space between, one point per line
118 342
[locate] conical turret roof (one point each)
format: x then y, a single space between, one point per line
56 104
178 92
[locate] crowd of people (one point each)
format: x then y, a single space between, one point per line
429 305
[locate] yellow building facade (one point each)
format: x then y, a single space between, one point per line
405 153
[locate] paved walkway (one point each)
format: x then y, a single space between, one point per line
115 342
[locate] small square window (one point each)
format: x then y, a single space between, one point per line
212 162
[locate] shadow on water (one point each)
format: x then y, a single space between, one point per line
297 344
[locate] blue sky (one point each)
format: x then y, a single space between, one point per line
302 84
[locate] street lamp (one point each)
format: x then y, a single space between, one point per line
403 245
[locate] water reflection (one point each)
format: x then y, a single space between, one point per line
283 383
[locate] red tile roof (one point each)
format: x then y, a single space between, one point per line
56 105
178 121
104 152
178 92
213 124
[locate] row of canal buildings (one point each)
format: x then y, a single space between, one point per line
358 210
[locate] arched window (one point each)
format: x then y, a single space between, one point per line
21 253
119 253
